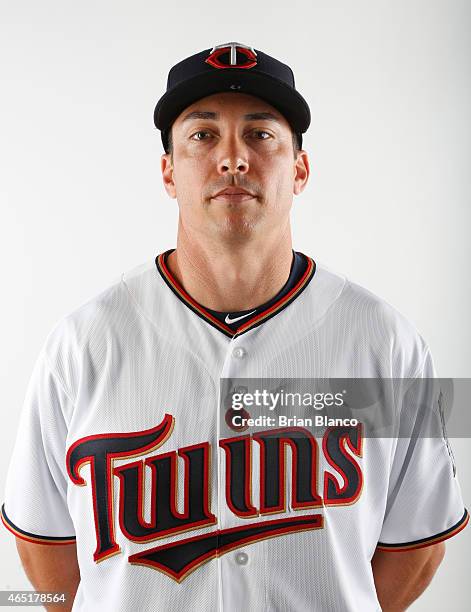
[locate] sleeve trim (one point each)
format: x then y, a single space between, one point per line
435 539
32 537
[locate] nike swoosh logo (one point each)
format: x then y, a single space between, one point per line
178 559
229 320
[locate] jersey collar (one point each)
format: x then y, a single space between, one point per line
247 324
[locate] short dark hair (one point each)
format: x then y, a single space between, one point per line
294 135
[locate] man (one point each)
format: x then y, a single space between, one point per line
128 489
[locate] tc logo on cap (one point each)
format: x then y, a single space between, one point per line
214 58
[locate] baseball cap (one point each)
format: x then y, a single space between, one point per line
232 67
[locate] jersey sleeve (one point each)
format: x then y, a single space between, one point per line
35 504
424 504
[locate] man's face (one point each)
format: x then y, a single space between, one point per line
235 141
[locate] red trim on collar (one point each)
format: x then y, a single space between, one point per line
186 297
278 305
254 321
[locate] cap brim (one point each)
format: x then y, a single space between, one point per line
286 100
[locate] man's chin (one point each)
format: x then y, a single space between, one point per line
238 227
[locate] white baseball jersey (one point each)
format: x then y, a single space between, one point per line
120 448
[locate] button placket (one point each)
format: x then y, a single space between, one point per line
234 566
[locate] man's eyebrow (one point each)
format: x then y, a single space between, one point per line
248 117
261 117
200 115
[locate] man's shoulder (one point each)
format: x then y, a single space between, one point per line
93 326
352 297
372 320
109 301
374 309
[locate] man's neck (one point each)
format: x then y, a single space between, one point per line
232 279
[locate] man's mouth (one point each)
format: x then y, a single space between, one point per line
233 194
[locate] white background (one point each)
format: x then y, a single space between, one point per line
388 83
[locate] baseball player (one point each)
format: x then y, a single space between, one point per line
129 492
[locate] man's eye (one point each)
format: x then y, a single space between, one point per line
199 132
258 132
203 134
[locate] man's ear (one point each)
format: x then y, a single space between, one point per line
301 172
166 166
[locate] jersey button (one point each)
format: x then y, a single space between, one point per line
242 558
239 352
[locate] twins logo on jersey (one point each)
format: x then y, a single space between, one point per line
179 558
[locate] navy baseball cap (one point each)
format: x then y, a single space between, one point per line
231 67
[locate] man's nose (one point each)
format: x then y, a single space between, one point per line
232 156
